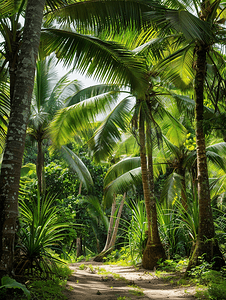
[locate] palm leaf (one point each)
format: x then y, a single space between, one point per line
178 67
122 184
109 133
93 91
104 61
173 148
96 15
182 21
120 168
171 188
96 209
77 166
71 120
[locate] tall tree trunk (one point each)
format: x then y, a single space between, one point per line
155 238
154 249
206 243
13 154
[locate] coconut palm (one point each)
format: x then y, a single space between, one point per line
20 108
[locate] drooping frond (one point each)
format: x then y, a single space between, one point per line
182 21
78 166
171 188
127 146
178 67
172 147
122 184
114 15
215 154
104 61
96 210
52 5
93 91
109 133
120 168
69 120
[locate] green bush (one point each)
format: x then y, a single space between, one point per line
217 291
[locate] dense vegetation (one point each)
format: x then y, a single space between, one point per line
132 168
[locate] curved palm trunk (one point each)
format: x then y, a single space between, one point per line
154 249
12 160
114 234
206 244
109 234
111 237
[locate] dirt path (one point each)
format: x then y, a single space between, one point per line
129 283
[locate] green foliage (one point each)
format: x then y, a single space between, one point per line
40 232
9 283
82 267
217 291
173 265
136 230
48 289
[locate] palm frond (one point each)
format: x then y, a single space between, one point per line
178 66
127 146
120 168
182 21
173 148
96 209
122 184
104 61
93 91
171 188
109 133
70 120
114 15
77 166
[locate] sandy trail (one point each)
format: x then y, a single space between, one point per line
88 285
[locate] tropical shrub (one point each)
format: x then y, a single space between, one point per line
9 283
138 227
40 232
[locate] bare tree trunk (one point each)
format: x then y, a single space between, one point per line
80 188
13 154
113 208
114 234
79 251
111 238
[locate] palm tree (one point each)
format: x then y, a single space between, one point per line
20 108
45 102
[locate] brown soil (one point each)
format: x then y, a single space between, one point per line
88 285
